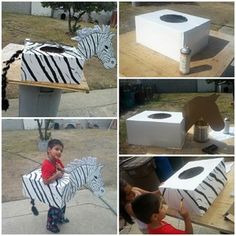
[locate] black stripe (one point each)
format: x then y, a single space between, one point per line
52 196
45 195
85 49
23 72
83 174
80 180
95 49
77 61
200 207
28 68
218 180
71 74
27 188
38 188
223 163
34 187
43 68
75 177
89 47
81 52
53 72
196 190
210 187
180 193
164 192
58 69
58 189
221 173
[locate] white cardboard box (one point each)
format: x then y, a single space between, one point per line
156 128
168 38
64 66
198 182
54 194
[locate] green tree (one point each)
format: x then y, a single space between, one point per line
76 10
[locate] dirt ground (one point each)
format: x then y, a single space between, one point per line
220 13
20 155
43 29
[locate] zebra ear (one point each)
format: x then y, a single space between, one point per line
100 167
111 36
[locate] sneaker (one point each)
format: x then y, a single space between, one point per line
64 221
53 229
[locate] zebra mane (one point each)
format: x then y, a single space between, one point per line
85 32
89 161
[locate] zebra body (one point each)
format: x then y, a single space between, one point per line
48 62
85 172
199 191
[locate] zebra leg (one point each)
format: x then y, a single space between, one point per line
54 215
63 220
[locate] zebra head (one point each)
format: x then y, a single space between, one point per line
95 182
105 49
96 41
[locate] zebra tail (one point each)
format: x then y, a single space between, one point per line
33 208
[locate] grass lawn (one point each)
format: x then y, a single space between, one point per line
172 102
17 27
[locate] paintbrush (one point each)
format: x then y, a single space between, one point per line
181 204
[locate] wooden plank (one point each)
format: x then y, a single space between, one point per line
139 61
14 76
214 217
190 146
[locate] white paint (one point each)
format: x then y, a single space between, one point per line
168 38
175 188
38 10
168 132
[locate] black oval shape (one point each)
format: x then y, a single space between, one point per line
172 18
190 173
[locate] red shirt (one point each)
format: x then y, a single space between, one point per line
48 168
165 229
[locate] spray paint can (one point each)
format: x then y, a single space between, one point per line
227 123
185 57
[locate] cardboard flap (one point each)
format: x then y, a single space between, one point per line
229 215
203 108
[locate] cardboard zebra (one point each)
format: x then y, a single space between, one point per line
55 63
85 172
198 184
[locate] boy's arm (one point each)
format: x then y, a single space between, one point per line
145 191
187 221
54 177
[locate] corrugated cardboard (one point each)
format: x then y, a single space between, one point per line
203 108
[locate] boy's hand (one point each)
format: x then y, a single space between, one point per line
183 212
59 167
59 174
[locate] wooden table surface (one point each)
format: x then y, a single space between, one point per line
214 217
14 73
225 147
139 61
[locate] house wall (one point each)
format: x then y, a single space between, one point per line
38 10
10 124
17 7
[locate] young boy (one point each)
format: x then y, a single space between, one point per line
149 208
53 169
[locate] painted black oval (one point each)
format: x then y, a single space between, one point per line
190 173
172 18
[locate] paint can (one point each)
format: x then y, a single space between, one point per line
201 131
227 124
185 57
